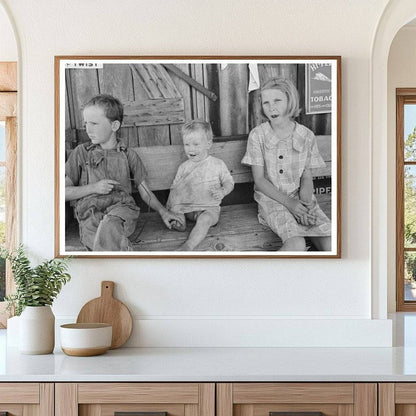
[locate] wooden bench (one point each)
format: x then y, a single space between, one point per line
238 228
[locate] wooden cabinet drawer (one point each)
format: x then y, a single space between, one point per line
397 399
261 399
21 399
105 399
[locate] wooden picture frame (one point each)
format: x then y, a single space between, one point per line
161 93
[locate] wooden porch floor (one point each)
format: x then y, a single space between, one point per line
237 230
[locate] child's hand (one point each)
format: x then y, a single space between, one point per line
296 208
105 186
307 219
169 217
217 192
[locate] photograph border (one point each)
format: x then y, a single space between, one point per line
59 148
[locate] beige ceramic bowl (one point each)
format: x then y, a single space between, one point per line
83 340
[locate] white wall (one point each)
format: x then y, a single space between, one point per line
8 47
401 74
179 302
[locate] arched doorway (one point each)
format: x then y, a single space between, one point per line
396 14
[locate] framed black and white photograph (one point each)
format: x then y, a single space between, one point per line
198 156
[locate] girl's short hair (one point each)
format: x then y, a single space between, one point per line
113 109
198 126
287 87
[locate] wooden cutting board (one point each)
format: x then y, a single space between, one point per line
107 309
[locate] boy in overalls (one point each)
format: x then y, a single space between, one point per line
98 177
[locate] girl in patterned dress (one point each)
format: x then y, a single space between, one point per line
281 153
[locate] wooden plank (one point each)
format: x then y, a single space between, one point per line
8 76
170 409
163 81
207 399
197 85
224 399
8 105
138 393
386 399
141 90
269 71
211 81
66 399
47 399
365 399
70 119
162 162
175 131
184 90
238 230
198 102
118 81
233 99
84 83
293 393
153 136
27 393
146 81
129 136
405 393
154 112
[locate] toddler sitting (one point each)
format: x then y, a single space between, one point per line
200 184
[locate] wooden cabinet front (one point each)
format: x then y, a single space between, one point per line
26 399
109 399
397 399
296 399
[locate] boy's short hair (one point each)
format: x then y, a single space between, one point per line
113 109
287 87
198 126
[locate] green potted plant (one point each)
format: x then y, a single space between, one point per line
36 289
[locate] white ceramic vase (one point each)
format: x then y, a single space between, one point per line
37 330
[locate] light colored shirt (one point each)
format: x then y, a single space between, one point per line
192 187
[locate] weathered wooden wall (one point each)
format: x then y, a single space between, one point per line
157 101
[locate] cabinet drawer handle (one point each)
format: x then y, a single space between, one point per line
296 414
138 414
